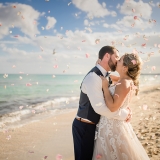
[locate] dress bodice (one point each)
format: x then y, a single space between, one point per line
126 100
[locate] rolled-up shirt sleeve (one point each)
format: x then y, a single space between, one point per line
92 86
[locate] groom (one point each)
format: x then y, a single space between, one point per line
92 105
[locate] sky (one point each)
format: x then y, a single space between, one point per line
65 36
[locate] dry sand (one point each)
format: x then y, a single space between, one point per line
49 137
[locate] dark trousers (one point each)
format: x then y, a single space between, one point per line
83 138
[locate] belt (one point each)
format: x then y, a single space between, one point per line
82 120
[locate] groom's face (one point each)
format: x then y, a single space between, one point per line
113 60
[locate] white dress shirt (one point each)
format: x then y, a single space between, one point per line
92 86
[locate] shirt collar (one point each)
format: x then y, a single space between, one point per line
104 72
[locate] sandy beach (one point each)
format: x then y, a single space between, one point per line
52 137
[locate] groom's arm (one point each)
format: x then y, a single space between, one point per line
92 86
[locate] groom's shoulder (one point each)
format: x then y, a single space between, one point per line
91 77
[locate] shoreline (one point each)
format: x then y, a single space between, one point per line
47 138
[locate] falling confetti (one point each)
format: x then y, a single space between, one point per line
18 13
5 87
47 0
30 151
113 43
16 36
153 68
69 3
5 75
97 41
20 107
28 84
41 48
98 156
133 10
132 25
59 157
33 111
79 48
55 66
143 45
144 107
20 77
54 51
8 137
83 40
134 62
14 6
87 55
53 76
45 157
0 24
13 66
42 28
135 18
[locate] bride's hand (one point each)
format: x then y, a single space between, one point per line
98 61
105 82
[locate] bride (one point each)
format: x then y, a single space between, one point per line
116 139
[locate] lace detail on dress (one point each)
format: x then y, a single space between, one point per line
116 139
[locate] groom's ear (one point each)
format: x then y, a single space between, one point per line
107 55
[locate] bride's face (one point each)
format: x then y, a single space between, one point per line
120 67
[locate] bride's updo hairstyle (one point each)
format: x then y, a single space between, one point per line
133 62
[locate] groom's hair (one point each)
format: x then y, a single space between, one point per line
106 49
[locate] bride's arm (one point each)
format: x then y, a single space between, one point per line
114 78
114 102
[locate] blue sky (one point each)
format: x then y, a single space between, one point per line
58 36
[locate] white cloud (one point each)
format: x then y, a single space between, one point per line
22 18
105 25
111 26
51 22
92 7
113 13
158 4
55 31
118 6
141 8
152 3
67 50
104 4
86 22
128 21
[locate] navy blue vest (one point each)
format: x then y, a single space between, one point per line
85 109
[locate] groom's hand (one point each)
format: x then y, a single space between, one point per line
129 117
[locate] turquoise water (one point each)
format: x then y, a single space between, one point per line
43 86
47 93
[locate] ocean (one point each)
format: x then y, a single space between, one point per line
27 98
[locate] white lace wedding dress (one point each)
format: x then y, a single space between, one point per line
116 139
